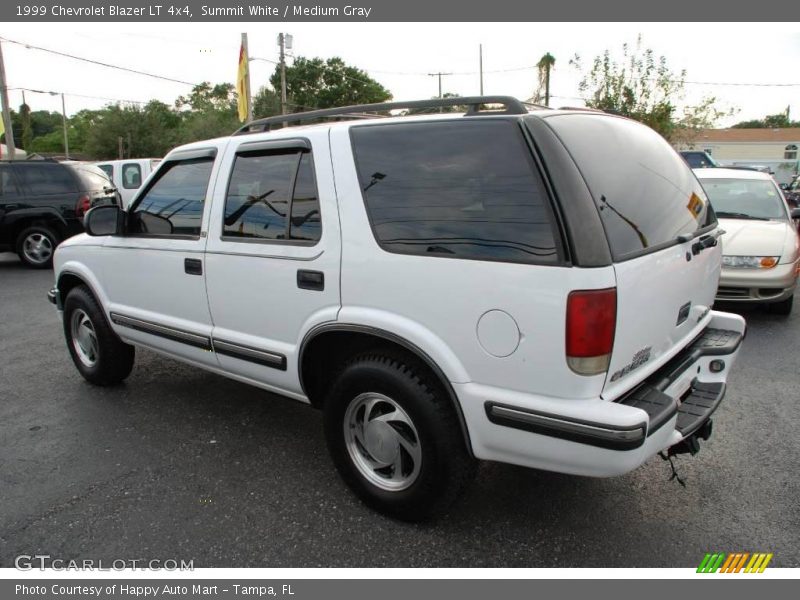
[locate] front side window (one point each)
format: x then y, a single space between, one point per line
173 204
790 153
272 196
466 189
109 170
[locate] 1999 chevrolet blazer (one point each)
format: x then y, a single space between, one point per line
526 286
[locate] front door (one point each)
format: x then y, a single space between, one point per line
155 273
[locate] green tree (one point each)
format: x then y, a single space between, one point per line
776 121
27 131
266 103
640 85
443 109
544 66
206 97
209 111
317 83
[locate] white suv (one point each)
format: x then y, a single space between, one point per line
524 286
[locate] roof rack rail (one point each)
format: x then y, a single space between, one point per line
474 103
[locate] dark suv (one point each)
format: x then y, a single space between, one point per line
42 202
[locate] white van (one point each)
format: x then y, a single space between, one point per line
128 175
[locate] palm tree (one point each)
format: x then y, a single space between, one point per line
544 65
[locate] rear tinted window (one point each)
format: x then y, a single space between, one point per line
272 196
93 179
645 192
46 179
7 186
455 189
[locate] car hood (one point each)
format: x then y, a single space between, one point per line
753 238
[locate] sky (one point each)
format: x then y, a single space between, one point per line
400 56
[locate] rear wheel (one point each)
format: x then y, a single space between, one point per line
784 307
36 246
99 355
395 438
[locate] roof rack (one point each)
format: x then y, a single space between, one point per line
474 103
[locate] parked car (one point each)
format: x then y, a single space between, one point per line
129 174
699 160
43 202
446 287
760 246
791 191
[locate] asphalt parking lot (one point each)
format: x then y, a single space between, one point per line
182 464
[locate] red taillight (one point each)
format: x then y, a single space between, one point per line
591 321
83 205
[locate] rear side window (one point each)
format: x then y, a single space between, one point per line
46 179
645 192
460 189
173 205
272 196
7 186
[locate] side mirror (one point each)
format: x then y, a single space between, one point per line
783 186
795 214
103 220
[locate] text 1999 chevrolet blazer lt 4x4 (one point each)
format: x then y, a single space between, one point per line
525 286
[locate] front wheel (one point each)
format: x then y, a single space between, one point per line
99 355
395 437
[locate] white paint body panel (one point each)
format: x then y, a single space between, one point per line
248 295
252 286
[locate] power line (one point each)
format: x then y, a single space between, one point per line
77 95
97 62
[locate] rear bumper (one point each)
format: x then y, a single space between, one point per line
601 438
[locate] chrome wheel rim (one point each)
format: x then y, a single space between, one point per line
382 441
84 338
37 248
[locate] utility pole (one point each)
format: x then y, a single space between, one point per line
64 121
6 112
282 44
119 147
439 75
480 64
247 91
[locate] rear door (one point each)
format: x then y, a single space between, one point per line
49 186
273 255
654 213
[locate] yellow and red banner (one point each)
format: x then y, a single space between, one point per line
241 85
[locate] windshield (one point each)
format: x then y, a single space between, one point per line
744 198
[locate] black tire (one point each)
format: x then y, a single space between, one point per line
36 246
445 465
112 358
783 308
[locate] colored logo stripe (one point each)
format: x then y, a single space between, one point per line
733 563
